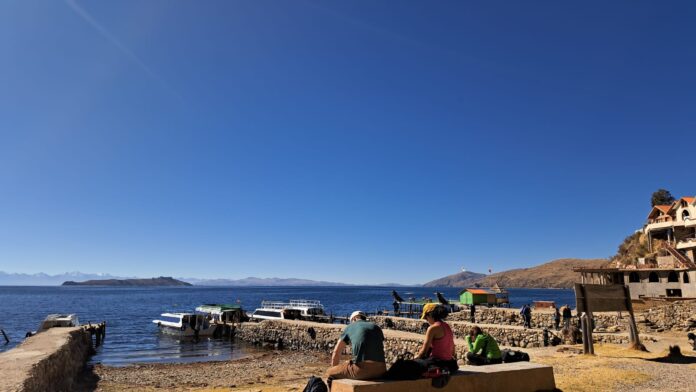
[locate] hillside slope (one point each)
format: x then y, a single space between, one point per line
460 279
554 274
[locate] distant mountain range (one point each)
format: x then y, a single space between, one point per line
42 279
252 281
554 274
460 279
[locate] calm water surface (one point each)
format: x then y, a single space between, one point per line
132 337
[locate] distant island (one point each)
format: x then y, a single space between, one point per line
554 274
162 281
253 281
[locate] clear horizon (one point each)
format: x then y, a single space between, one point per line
338 141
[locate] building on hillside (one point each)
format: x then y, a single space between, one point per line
670 272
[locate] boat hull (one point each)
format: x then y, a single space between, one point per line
188 331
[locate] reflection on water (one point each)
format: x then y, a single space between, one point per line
168 348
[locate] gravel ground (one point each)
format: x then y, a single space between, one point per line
614 368
271 371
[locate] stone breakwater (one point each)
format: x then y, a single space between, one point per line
304 335
401 335
506 335
48 361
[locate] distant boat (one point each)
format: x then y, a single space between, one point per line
185 324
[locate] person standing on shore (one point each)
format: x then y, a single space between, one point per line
366 340
526 313
567 315
556 317
472 313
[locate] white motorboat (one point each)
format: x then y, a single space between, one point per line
185 324
299 309
59 320
223 313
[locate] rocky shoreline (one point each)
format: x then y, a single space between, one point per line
292 351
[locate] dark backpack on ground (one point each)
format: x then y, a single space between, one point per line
405 368
315 384
509 356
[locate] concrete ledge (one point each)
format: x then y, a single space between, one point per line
47 361
518 377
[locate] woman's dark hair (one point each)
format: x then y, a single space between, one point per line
439 313
475 330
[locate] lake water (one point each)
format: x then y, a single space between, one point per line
132 337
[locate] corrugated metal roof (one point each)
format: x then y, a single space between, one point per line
480 291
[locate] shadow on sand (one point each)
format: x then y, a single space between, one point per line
675 356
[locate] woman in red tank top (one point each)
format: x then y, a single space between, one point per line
438 347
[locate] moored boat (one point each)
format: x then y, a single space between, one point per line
223 313
299 309
185 324
59 320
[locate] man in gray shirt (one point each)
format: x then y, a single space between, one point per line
367 347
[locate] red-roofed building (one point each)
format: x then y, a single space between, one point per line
670 269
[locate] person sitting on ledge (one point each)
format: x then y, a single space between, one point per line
438 347
692 338
483 349
367 347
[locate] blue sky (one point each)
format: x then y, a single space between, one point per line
365 142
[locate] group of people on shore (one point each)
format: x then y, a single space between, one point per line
564 312
366 340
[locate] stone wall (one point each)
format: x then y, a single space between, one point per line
401 335
48 361
504 316
303 335
678 316
506 335
675 316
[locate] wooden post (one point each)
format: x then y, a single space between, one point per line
635 339
583 326
590 322
586 324
7 340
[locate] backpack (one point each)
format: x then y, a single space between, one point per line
509 356
405 369
315 384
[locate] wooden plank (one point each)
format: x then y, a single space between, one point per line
604 305
601 298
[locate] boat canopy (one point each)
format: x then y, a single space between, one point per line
218 307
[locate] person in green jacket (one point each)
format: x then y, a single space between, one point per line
483 349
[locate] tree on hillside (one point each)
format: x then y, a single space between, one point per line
661 197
